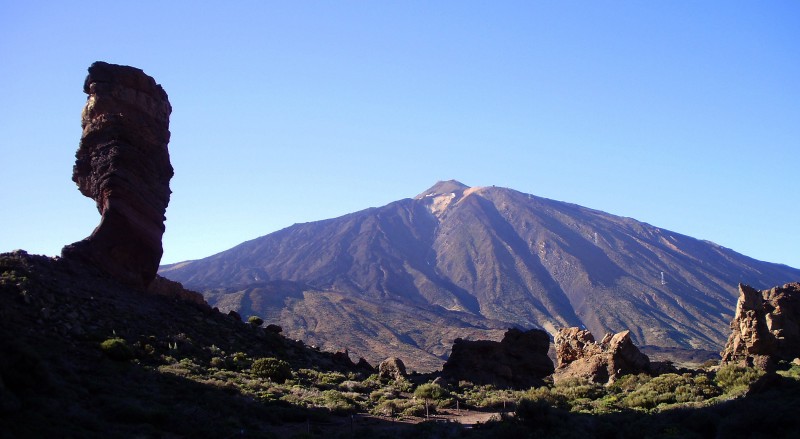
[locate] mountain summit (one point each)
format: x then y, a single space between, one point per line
443 188
459 261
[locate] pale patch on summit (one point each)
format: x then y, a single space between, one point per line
439 203
444 194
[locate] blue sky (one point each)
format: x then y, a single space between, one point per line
682 114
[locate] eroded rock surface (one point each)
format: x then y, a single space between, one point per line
392 368
520 360
123 164
580 356
165 287
765 328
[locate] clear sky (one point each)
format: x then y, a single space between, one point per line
682 114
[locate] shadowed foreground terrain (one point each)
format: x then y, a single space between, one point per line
84 356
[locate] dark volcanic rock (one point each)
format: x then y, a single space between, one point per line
364 365
165 287
520 360
579 356
766 327
123 164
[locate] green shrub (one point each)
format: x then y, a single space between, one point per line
272 369
629 383
218 362
330 379
240 360
117 349
338 403
430 392
545 394
793 371
733 379
389 407
414 409
579 388
255 320
671 388
353 386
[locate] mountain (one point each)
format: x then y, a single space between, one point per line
481 258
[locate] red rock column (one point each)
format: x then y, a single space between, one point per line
123 164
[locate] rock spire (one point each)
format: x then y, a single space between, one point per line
123 164
766 327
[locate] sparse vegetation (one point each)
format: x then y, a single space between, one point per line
117 349
221 377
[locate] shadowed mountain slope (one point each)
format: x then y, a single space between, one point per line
504 256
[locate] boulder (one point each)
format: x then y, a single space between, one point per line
765 328
123 164
579 356
520 360
275 329
392 368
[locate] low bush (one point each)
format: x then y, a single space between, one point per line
117 349
338 403
241 361
733 379
255 320
272 369
579 388
671 388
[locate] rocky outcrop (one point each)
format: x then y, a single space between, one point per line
520 360
123 164
580 356
765 328
169 288
392 368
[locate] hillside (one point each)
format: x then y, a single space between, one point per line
175 370
495 254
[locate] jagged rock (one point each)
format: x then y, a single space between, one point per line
520 360
343 358
235 315
392 368
574 343
169 288
123 164
579 356
765 328
364 365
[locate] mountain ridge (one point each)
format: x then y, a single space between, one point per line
504 256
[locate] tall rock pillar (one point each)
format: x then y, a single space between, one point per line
123 164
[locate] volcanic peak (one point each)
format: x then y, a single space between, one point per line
443 188
443 194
